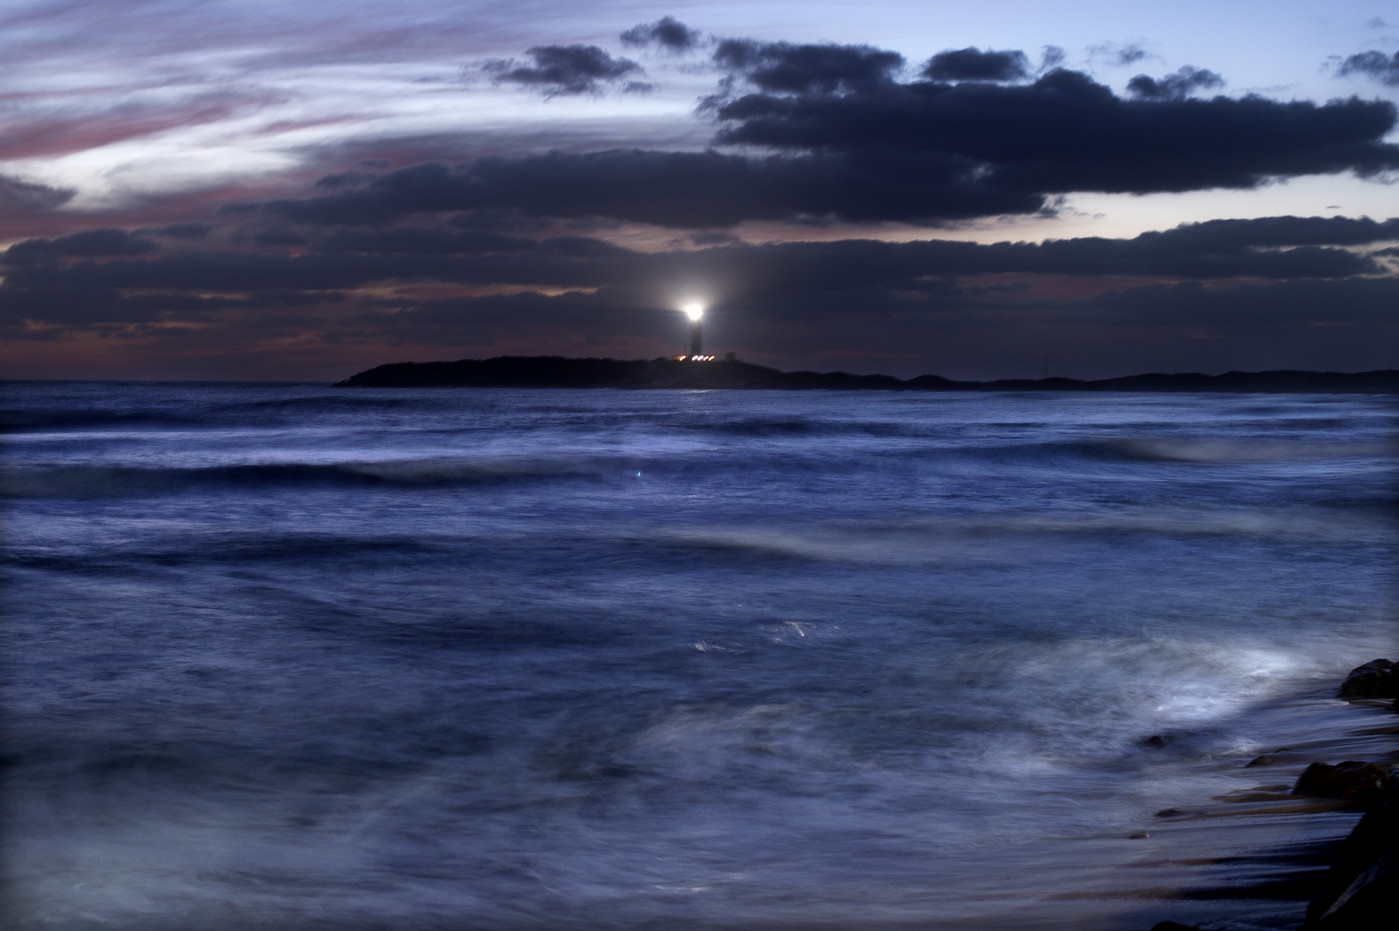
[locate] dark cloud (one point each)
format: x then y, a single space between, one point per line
240 208
1066 133
504 220
1372 64
1128 54
279 236
784 68
925 152
87 244
1234 235
856 145
1272 248
436 241
78 307
666 32
569 69
356 260
89 308
184 230
1184 82
199 272
424 241
823 133
972 64
675 189
1244 310
27 197
1296 278
713 238
916 266
239 272
980 329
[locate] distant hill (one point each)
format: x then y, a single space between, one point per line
560 372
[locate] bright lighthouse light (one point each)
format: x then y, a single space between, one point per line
694 311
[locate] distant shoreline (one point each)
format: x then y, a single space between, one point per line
561 372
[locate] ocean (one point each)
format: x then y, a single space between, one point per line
293 656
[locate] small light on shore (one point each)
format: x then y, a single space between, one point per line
694 311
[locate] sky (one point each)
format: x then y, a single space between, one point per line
258 190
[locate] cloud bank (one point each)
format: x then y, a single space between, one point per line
587 250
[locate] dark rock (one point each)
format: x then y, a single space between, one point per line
1155 740
1351 780
1376 679
1173 926
1169 813
1266 759
1361 890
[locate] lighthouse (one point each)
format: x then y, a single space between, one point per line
695 312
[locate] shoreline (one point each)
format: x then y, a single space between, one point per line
1273 843
1245 854
732 374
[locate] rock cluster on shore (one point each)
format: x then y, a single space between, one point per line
1360 890
1362 887
1376 679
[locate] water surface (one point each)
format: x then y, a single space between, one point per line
335 658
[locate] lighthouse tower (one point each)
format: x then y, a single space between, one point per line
695 312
